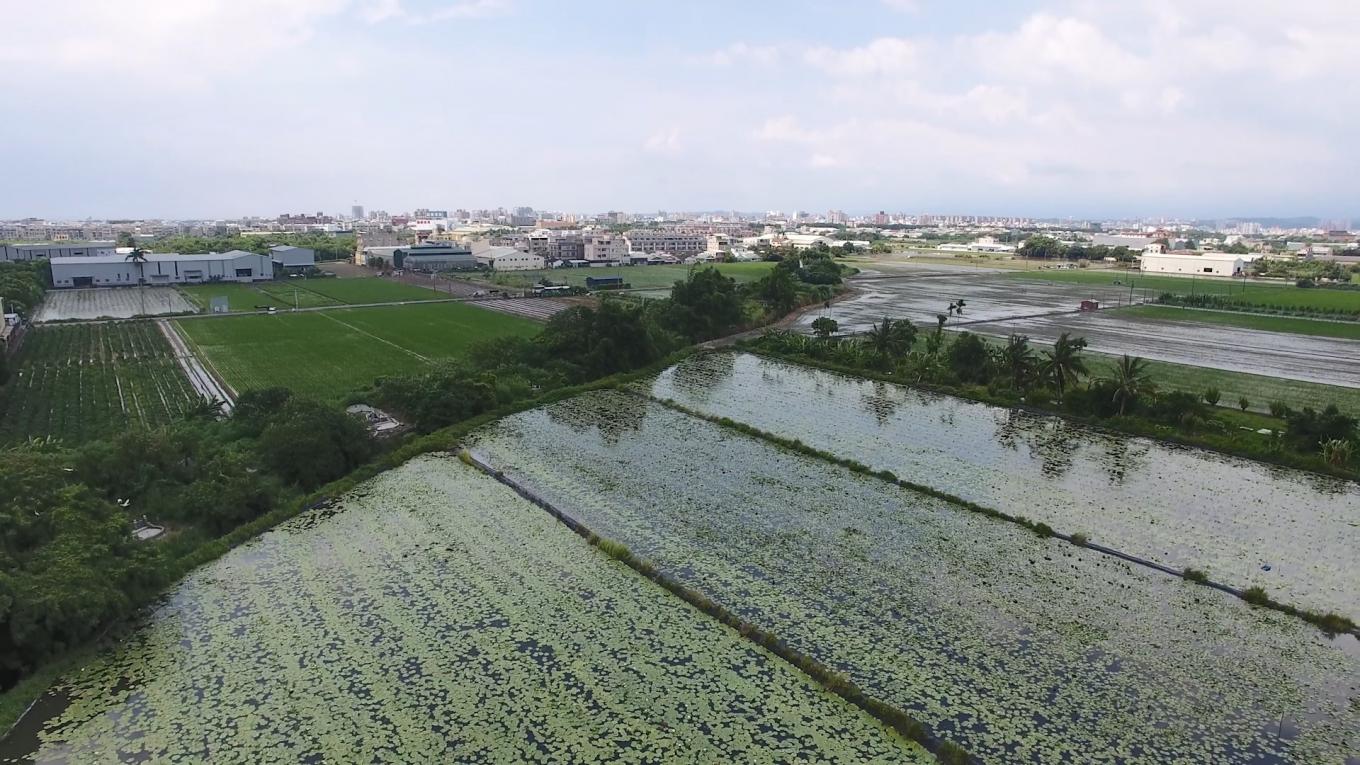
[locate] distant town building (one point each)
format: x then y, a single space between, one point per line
435 256
509 259
357 212
48 250
669 242
605 248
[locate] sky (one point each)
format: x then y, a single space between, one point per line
1048 108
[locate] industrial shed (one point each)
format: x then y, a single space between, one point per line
161 268
1204 264
289 258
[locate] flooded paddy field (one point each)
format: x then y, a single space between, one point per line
1022 649
1294 533
1326 360
436 616
1000 303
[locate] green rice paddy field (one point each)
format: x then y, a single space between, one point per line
637 277
329 354
1320 328
307 293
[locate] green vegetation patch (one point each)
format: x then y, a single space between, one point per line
82 382
435 616
1249 293
1018 648
637 277
330 354
1289 324
365 290
1292 532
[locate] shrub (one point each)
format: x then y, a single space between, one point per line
1279 409
1195 575
1211 396
615 549
1256 596
1243 404
1043 530
1337 452
1334 624
1310 430
1079 539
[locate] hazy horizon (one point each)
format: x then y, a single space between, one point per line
1036 108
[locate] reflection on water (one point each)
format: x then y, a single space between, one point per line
1246 523
614 418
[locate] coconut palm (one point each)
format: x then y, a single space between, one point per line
1130 381
890 339
138 256
1017 360
1064 365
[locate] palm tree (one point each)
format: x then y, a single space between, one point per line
1017 360
138 256
1064 365
890 339
1130 381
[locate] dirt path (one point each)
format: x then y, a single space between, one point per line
203 381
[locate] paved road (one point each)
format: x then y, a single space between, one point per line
1000 303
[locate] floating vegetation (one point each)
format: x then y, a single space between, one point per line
1017 647
1292 533
436 616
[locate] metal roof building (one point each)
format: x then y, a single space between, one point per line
161 268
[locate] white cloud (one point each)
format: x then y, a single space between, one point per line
666 141
884 56
741 53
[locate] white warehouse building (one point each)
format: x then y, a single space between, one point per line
161 268
509 259
1205 264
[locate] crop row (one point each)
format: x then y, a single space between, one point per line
1020 648
82 382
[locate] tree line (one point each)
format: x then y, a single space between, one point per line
1060 379
327 247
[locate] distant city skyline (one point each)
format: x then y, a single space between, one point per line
1205 109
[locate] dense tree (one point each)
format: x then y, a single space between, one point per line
1042 247
825 326
310 444
705 305
1309 429
22 285
968 359
778 290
